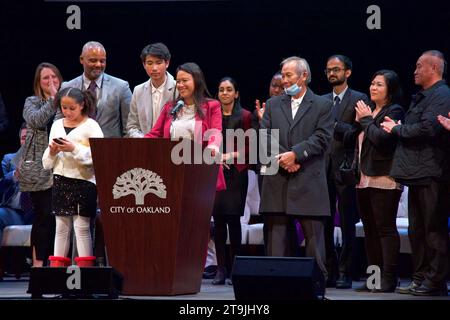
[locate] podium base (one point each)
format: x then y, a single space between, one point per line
75 283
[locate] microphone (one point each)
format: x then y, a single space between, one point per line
177 107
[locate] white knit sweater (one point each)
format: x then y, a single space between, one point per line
78 163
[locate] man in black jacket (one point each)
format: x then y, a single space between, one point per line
338 70
420 163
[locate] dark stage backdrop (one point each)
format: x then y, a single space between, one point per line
243 39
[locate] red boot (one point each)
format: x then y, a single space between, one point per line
85 261
56 261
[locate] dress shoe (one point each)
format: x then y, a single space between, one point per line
363 288
344 282
388 284
220 276
209 272
100 262
408 290
423 290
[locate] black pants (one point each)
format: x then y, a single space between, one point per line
378 210
345 198
43 229
428 208
220 236
99 238
280 237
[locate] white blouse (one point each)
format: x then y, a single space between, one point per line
183 126
78 163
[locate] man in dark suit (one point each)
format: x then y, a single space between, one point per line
342 197
297 189
421 162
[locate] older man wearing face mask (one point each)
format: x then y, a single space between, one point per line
299 188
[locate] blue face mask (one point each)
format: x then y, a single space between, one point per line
292 90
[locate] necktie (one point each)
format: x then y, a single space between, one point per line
335 110
92 88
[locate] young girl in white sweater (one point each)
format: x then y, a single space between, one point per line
74 190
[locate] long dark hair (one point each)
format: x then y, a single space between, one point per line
237 101
84 98
201 93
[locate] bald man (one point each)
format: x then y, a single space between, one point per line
422 163
113 94
113 105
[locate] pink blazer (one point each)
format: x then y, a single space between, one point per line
212 120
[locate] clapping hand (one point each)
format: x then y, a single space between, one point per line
362 110
389 123
445 122
260 110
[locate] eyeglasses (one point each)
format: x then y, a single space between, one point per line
334 70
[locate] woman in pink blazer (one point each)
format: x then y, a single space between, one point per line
192 114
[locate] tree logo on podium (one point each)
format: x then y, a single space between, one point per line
139 182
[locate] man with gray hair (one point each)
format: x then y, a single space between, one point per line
298 191
421 162
113 94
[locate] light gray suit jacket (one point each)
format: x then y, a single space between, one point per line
140 118
113 104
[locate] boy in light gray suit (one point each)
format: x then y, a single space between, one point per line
149 97
113 94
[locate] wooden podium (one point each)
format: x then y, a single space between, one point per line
157 240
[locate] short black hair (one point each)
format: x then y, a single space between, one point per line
344 59
157 49
393 84
440 55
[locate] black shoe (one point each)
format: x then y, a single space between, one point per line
344 282
230 282
100 261
388 284
408 290
220 276
363 288
209 272
423 290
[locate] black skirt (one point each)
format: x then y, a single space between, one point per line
74 197
232 200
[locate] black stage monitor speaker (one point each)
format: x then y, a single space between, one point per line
277 278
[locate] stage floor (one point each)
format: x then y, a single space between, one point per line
13 289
